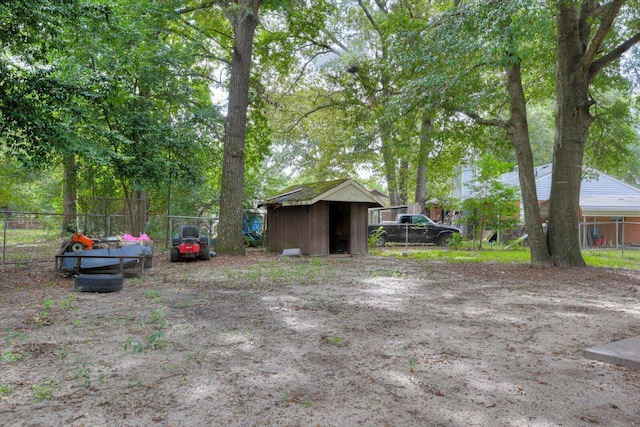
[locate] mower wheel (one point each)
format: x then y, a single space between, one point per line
98 282
77 247
204 252
175 254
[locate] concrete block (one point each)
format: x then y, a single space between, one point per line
292 252
624 353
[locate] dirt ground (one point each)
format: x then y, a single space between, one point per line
336 341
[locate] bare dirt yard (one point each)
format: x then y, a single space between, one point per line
335 341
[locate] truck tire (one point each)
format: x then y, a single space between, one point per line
98 282
381 240
445 239
175 254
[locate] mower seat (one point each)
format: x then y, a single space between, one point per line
190 233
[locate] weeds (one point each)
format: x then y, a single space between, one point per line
84 372
5 389
65 304
11 336
42 392
153 295
153 342
9 356
157 317
336 340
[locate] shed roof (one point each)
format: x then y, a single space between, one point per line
340 190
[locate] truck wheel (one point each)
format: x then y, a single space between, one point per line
204 252
175 254
445 240
98 282
381 240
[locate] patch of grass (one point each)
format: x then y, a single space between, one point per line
9 356
412 364
612 258
48 304
65 304
5 389
152 342
10 336
336 340
84 372
497 254
153 295
42 392
156 317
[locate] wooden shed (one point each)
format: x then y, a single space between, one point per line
321 218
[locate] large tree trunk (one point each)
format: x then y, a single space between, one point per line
138 212
244 19
389 159
518 132
69 195
572 128
423 155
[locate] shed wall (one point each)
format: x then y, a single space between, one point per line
359 231
288 228
318 229
312 229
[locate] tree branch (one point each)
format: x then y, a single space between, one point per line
614 54
372 21
200 6
596 42
482 121
310 112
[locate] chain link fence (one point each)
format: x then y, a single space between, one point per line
38 237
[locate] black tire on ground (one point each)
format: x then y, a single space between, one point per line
204 252
175 254
98 282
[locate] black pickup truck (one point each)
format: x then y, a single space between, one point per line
412 228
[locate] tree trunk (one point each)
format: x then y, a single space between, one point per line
518 132
244 19
572 128
423 153
403 181
69 195
138 212
389 160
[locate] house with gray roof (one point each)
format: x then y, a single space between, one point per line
609 208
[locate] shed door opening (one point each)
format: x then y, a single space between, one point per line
339 228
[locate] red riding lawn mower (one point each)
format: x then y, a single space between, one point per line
190 245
